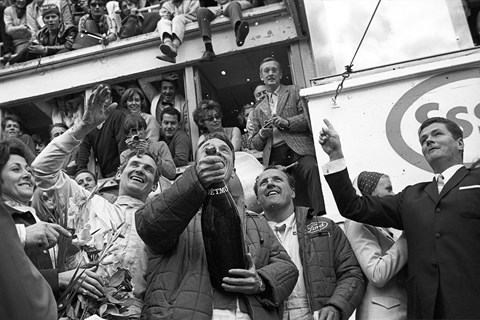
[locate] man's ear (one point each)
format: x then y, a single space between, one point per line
460 143
118 174
293 193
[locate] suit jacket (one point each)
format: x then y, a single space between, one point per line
292 107
443 233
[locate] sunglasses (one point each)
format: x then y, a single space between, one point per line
96 4
217 116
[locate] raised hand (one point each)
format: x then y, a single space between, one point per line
210 169
330 141
99 106
44 235
246 281
89 282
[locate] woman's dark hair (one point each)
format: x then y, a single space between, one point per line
201 111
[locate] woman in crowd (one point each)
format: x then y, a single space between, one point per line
208 117
134 101
16 26
381 258
18 187
96 21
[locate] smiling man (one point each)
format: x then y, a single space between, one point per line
304 234
138 176
441 219
179 281
177 140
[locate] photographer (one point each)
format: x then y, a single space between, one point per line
55 37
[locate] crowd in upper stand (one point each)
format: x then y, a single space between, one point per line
32 29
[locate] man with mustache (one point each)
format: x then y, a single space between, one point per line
281 130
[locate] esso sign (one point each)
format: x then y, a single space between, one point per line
454 95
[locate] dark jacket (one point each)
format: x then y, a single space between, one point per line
64 40
443 232
40 258
330 269
107 144
24 294
178 279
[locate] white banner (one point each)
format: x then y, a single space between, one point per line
378 121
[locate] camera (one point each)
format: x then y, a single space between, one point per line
136 138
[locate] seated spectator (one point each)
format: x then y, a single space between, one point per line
167 96
55 37
106 141
133 100
7 48
15 19
40 142
137 141
179 283
208 116
12 128
34 13
381 257
178 141
135 22
229 8
99 23
171 27
332 285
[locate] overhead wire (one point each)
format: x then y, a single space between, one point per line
349 68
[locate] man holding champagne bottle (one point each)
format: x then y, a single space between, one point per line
179 280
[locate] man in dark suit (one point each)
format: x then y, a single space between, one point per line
281 131
441 220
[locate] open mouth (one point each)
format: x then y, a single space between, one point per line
272 193
137 178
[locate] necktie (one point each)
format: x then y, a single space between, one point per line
440 182
280 231
167 103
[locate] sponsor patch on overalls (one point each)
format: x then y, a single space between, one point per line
316 227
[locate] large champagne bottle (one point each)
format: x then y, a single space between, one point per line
222 232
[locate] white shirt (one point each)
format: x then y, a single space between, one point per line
288 237
128 252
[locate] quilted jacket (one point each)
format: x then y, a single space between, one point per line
178 279
330 269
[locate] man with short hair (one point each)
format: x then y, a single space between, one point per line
304 234
281 131
12 128
167 96
178 141
34 13
179 280
138 176
440 219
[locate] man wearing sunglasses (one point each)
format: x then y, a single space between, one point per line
98 22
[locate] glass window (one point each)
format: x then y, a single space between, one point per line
401 30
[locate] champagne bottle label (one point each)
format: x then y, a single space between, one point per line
217 191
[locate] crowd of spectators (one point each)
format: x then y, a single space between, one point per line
34 29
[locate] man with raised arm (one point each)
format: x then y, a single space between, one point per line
441 219
138 177
179 285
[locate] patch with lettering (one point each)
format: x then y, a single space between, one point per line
316 227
